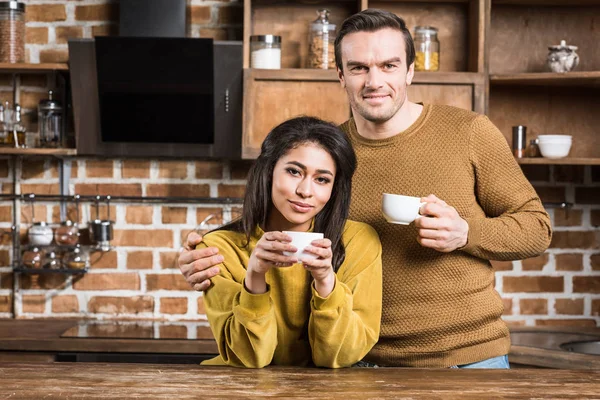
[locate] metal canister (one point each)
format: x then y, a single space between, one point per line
519 140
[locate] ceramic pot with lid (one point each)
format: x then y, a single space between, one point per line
40 234
562 58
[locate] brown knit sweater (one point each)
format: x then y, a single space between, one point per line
441 309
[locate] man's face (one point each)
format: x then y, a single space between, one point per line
375 74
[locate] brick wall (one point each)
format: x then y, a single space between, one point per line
139 278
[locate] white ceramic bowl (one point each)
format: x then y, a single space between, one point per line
555 138
554 149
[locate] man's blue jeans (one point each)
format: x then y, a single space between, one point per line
500 362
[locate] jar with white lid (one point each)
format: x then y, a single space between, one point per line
265 51
321 41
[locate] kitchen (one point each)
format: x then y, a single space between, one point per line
137 281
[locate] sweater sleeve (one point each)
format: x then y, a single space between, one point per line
344 326
242 323
515 224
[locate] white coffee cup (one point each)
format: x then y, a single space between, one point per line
399 209
301 240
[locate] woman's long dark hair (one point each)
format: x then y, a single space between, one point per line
283 138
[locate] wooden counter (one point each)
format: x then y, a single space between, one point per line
149 381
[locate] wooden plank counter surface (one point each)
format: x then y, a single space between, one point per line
151 381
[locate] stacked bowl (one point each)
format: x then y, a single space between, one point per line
554 146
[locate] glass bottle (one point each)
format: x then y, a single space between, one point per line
67 234
50 119
32 258
51 261
321 39
12 32
427 49
7 117
16 138
76 259
3 130
265 51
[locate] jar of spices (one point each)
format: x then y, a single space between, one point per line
32 258
67 234
321 40
51 261
427 49
76 259
40 234
12 32
265 51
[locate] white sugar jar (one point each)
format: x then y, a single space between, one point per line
265 51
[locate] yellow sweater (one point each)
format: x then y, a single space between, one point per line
441 309
291 324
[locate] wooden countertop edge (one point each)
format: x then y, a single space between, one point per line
552 358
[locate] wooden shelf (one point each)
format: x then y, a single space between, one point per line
559 161
583 78
547 3
33 68
38 152
304 74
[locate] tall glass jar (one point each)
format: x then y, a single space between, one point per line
321 39
50 120
12 32
427 49
265 51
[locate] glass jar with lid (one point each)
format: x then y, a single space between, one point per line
32 258
12 32
427 49
40 234
76 259
50 120
265 51
67 234
321 40
51 261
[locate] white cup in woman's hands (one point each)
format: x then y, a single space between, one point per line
301 240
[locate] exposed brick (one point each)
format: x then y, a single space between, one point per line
110 281
169 259
45 12
535 263
231 14
6 214
103 211
586 284
209 170
100 12
172 169
103 260
121 305
54 56
65 304
240 169
174 215
99 168
40 188
203 213
532 284
204 332
143 238
104 189
4 168
173 332
5 258
569 262
569 173
34 80
5 303
178 190
166 282
566 322
139 260
236 191
536 173
214 33
64 33
36 35
34 169
595 218
569 306
40 211
6 280
236 212
587 195
551 194
105 30
173 305
565 217
34 303
199 14
595 307
576 240
71 214
139 215
507 303
516 323
595 262
201 308
32 99
135 169
533 306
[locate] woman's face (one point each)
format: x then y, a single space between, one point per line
302 183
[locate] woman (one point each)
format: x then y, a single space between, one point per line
268 308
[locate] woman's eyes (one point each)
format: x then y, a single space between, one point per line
323 180
295 172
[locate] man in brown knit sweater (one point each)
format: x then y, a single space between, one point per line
440 308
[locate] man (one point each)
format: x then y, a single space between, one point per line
440 308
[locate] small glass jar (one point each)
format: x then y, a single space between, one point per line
321 41
533 150
76 259
40 234
32 258
50 120
12 32
51 261
67 234
265 51
427 49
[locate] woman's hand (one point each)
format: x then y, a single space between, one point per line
320 268
267 254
